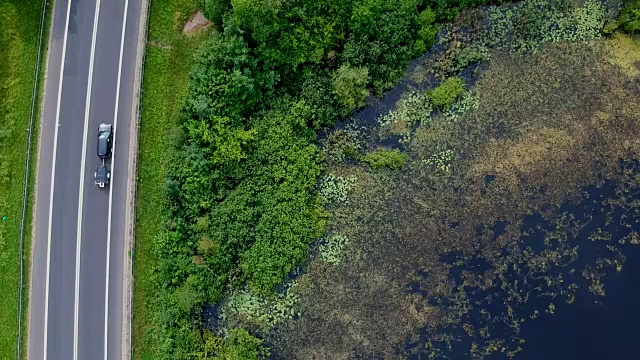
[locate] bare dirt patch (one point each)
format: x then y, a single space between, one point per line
196 22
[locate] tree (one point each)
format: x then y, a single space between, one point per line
225 137
629 19
214 10
350 86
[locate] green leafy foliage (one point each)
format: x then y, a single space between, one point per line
383 157
443 96
448 9
383 35
350 86
427 33
468 101
237 345
289 34
215 10
629 19
227 80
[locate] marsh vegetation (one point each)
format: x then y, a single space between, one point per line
492 181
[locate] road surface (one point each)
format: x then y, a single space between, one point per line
77 288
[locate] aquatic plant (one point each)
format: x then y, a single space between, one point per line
443 95
413 107
468 101
450 266
441 161
251 309
342 144
530 23
382 157
332 247
335 189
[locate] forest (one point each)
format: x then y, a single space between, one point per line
325 148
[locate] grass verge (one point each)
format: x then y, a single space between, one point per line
19 41
168 61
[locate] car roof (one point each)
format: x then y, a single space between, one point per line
102 170
102 145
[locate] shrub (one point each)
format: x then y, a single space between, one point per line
382 157
214 10
318 93
237 345
226 81
427 33
446 93
629 19
350 86
448 9
382 37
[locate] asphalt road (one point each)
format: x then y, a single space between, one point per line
77 305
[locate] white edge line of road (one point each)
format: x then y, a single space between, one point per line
53 173
87 108
113 157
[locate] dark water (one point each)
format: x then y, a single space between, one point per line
592 327
588 330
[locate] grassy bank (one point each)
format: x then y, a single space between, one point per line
167 65
19 37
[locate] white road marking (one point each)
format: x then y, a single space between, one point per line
82 175
53 177
113 159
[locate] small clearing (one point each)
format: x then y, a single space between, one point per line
196 22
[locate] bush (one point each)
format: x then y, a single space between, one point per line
629 19
382 157
446 93
350 86
215 10
383 38
238 345
427 33
448 9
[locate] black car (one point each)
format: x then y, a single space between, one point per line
105 136
102 175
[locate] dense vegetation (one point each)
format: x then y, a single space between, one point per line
491 221
19 30
241 202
